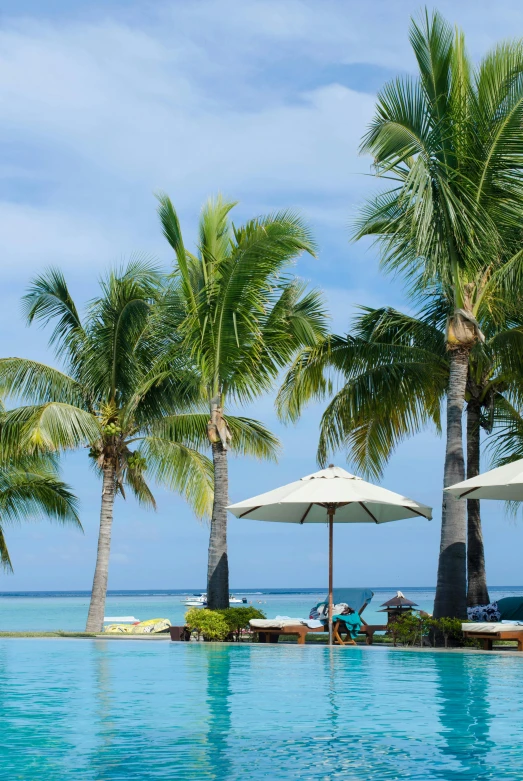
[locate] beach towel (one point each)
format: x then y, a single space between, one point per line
352 622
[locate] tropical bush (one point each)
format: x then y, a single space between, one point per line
450 628
210 624
410 630
221 624
238 618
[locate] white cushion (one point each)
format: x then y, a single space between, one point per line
491 627
274 623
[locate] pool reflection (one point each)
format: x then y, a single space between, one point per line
464 713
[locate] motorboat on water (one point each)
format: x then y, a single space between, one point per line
200 600
197 600
235 601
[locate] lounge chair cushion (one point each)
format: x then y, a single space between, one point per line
274 623
491 627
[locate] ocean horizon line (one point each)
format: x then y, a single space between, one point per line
190 591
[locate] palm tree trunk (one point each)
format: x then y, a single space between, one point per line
218 564
477 592
451 586
95 619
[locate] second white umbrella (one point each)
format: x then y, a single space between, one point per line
504 482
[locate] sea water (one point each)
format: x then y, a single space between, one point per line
79 710
49 611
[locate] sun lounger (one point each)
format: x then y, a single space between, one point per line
357 599
270 629
486 633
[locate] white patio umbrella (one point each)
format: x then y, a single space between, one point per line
505 482
331 495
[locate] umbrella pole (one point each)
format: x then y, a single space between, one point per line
330 512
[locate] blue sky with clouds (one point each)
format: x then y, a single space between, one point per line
104 103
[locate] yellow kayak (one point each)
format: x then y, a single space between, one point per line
151 627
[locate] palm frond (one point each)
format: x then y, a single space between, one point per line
5 560
35 493
251 438
53 426
47 299
138 485
181 469
37 383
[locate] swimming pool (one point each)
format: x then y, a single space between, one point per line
115 710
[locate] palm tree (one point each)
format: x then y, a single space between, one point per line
391 375
451 141
244 318
30 489
121 390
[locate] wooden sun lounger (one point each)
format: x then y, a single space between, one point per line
271 635
487 634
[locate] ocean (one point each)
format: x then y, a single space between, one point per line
67 610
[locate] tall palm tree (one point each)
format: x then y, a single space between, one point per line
121 389
391 377
451 141
31 489
244 318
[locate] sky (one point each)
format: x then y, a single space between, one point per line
105 103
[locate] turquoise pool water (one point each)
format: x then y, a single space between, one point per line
115 711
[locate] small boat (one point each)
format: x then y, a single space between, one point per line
235 601
200 600
197 600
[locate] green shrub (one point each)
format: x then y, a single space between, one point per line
238 618
450 628
210 624
409 629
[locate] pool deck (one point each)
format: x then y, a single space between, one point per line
505 650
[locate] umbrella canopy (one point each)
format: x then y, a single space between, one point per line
332 495
505 482
306 500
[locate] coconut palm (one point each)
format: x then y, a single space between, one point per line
120 388
451 142
30 489
244 318
391 377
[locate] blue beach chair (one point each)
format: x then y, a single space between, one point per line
352 624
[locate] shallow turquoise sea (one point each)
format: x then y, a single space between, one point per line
48 611
118 711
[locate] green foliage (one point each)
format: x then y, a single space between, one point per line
210 624
122 378
451 630
390 377
411 628
450 141
221 624
30 489
245 316
238 618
